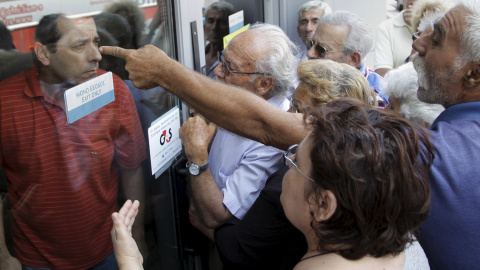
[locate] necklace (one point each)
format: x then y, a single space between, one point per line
316 255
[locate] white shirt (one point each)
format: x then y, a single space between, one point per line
393 43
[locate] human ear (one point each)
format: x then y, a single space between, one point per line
42 53
263 85
355 59
471 79
323 205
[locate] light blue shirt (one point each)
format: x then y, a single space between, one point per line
241 166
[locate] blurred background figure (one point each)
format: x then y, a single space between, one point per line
113 30
156 31
6 41
401 86
215 28
426 9
308 15
394 36
129 10
11 61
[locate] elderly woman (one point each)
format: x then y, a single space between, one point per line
357 186
321 81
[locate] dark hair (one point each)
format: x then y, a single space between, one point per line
48 32
116 26
6 41
108 62
376 165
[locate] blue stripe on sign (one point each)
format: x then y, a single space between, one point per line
91 106
235 27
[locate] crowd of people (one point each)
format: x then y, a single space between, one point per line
297 159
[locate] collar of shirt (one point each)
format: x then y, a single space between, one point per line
469 110
400 22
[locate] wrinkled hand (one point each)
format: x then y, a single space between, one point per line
196 136
10 263
144 65
126 251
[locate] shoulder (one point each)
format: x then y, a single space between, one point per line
17 83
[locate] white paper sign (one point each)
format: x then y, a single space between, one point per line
164 140
235 21
89 96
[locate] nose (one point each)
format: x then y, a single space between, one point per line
218 71
311 26
312 53
420 46
215 25
94 54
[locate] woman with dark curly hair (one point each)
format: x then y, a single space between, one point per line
357 187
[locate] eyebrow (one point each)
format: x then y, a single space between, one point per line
230 62
441 31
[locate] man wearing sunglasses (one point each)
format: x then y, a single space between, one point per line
230 177
346 38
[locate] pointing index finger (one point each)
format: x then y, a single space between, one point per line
115 51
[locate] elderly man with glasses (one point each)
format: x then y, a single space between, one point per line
344 37
227 180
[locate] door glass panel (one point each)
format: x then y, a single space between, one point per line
62 178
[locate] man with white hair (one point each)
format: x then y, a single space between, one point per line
448 64
344 37
308 15
227 181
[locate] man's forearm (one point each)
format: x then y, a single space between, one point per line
208 200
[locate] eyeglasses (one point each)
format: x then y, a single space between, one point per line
319 49
227 71
290 155
416 35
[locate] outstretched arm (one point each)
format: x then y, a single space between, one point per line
230 107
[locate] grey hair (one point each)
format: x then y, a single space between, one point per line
429 20
319 4
280 61
402 83
422 8
470 40
359 38
225 7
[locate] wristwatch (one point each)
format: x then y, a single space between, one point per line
195 169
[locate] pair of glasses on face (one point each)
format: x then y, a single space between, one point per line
319 49
226 68
416 35
290 156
